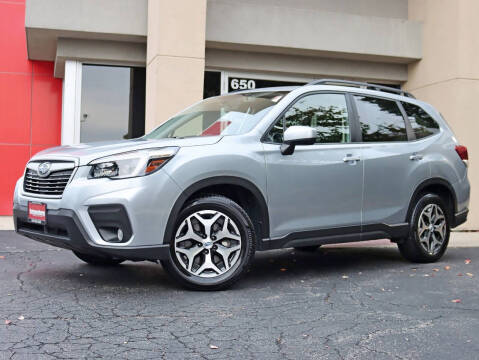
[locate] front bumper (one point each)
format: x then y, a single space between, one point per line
64 230
147 202
74 219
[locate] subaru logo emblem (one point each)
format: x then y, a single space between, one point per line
208 244
44 169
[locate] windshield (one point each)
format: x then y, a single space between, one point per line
223 115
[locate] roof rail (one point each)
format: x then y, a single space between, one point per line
363 85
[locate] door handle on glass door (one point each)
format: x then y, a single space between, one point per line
415 156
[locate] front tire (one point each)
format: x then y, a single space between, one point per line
429 231
213 244
98 260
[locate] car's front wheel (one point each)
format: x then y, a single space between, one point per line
429 230
213 244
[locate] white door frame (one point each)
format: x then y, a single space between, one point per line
71 103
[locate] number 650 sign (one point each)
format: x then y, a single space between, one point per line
242 84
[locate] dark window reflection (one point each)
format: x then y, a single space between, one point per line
326 112
421 122
380 120
212 84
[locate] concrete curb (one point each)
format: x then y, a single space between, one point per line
6 223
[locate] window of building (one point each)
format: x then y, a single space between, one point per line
112 103
212 84
327 113
380 119
421 122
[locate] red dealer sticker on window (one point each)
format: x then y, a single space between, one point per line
37 213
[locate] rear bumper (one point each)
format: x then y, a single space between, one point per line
460 218
64 230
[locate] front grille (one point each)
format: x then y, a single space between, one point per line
53 184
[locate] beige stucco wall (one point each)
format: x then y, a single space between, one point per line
175 57
448 75
180 30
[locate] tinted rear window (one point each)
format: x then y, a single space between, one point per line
380 119
421 122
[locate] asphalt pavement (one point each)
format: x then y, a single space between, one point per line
345 302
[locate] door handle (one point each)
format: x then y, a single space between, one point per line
350 158
415 157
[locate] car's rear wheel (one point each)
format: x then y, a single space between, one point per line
97 260
213 244
429 230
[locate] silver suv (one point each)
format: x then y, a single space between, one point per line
329 162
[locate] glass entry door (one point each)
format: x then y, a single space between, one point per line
112 103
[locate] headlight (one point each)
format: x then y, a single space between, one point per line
132 163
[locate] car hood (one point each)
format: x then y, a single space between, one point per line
84 153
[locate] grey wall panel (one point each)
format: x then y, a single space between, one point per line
127 17
48 20
382 8
305 66
306 30
99 52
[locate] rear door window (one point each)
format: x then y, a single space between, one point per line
421 122
380 119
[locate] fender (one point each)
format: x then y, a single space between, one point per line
429 182
217 180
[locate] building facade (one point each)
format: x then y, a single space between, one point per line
118 68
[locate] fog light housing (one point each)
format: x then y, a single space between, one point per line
119 234
111 222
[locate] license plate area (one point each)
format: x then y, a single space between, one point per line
37 213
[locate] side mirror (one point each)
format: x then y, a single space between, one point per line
297 135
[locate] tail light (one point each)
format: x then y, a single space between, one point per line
462 152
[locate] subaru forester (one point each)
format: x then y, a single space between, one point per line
290 167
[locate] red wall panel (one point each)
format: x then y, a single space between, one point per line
46 110
15 158
15 100
30 101
13 44
43 68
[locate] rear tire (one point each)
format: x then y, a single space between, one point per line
98 260
213 244
429 230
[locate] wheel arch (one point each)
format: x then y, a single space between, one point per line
238 189
438 186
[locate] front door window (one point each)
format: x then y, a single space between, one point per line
327 113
